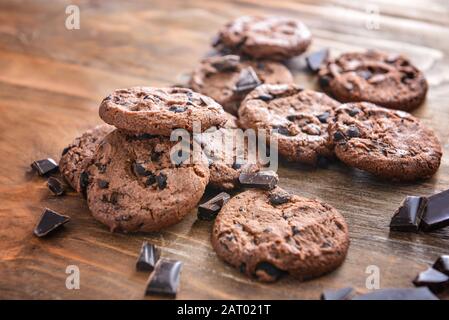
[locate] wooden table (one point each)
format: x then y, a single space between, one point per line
52 80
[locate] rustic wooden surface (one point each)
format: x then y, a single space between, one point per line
51 82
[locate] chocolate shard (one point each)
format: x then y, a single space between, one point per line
227 63
268 272
263 179
49 221
209 209
340 294
148 257
278 197
315 59
408 216
422 293
84 183
56 186
164 280
247 81
45 166
436 214
442 264
435 280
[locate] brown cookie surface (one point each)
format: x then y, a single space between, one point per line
388 80
134 185
390 144
227 79
298 118
78 155
265 37
160 110
267 233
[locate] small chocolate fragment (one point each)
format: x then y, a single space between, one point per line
84 182
248 80
324 81
139 170
161 180
278 197
148 257
177 109
408 216
56 186
353 132
266 97
209 209
340 294
338 135
323 117
263 179
45 166
442 264
283 130
437 212
315 59
227 63
49 221
435 280
268 272
164 280
399 294
103 184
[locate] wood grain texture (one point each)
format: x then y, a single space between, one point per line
52 80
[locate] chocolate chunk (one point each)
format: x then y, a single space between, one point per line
442 264
148 257
49 221
248 80
263 179
340 294
65 150
103 184
278 197
338 135
267 270
236 166
164 280
282 130
209 209
353 132
150 180
139 170
56 186
266 97
323 117
317 58
161 180
437 212
295 230
353 112
45 166
227 63
398 294
177 109
324 81
84 182
435 280
408 216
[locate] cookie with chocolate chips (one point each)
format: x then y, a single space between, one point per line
387 143
78 155
268 233
264 37
160 110
227 79
388 80
298 118
135 186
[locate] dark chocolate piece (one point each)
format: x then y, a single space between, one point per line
49 221
315 59
228 63
340 294
248 80
399 294
268 270
353 132
56 186
279 197
263 179
103 184
161 180
323 117
177 109
148 257
139 170
408 216
84 182
442 264
209 209
436 214
45 166
266 97
435 280
164 280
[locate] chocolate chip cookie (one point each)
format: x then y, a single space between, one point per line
78 155
227 79
298 118
271 37
388 80
268 233
160 110
390 144
135 186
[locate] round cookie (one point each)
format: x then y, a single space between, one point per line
227 79
298 118
390 144
159 111
266 233
388 80
270 37
78 155
134 185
